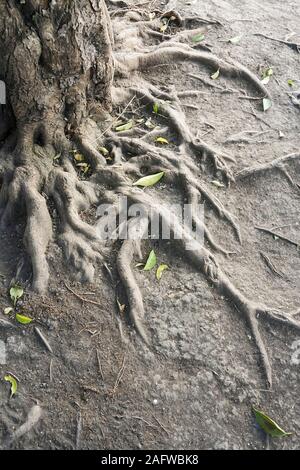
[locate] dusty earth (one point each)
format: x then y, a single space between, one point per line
195 386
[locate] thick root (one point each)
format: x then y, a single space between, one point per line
170 55
135 299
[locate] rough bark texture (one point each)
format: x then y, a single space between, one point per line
56 60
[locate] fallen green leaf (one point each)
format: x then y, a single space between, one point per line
218 184
215 75
162 140
198 37
235 39
125 127
13 384
149 180
267 104
291 83
160 271
23 319
7 310
266 76
155 108
268 425
151 261
268 73
16 293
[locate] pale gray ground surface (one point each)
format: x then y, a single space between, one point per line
203 373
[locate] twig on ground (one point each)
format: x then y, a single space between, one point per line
271 265
6 323
99 364
50 370
120 375
44 340
78 430
162 427
82 298
115 121
252 113
295 46
143 420
276 234
212 84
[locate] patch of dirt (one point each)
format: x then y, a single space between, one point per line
195 386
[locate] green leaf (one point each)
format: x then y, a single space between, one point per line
268 425
125 127
235 39
291 83
162 140
155 108
266 76
268 73
13 384
151 261
149 180
16 293
267 104
22 319
215 75
218 184
7 310
104 151
198 37
160 271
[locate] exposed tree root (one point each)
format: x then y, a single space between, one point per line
42 170
208 265
134 294
277 164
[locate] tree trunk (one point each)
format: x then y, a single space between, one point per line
56 61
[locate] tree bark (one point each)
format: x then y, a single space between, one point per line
56 61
